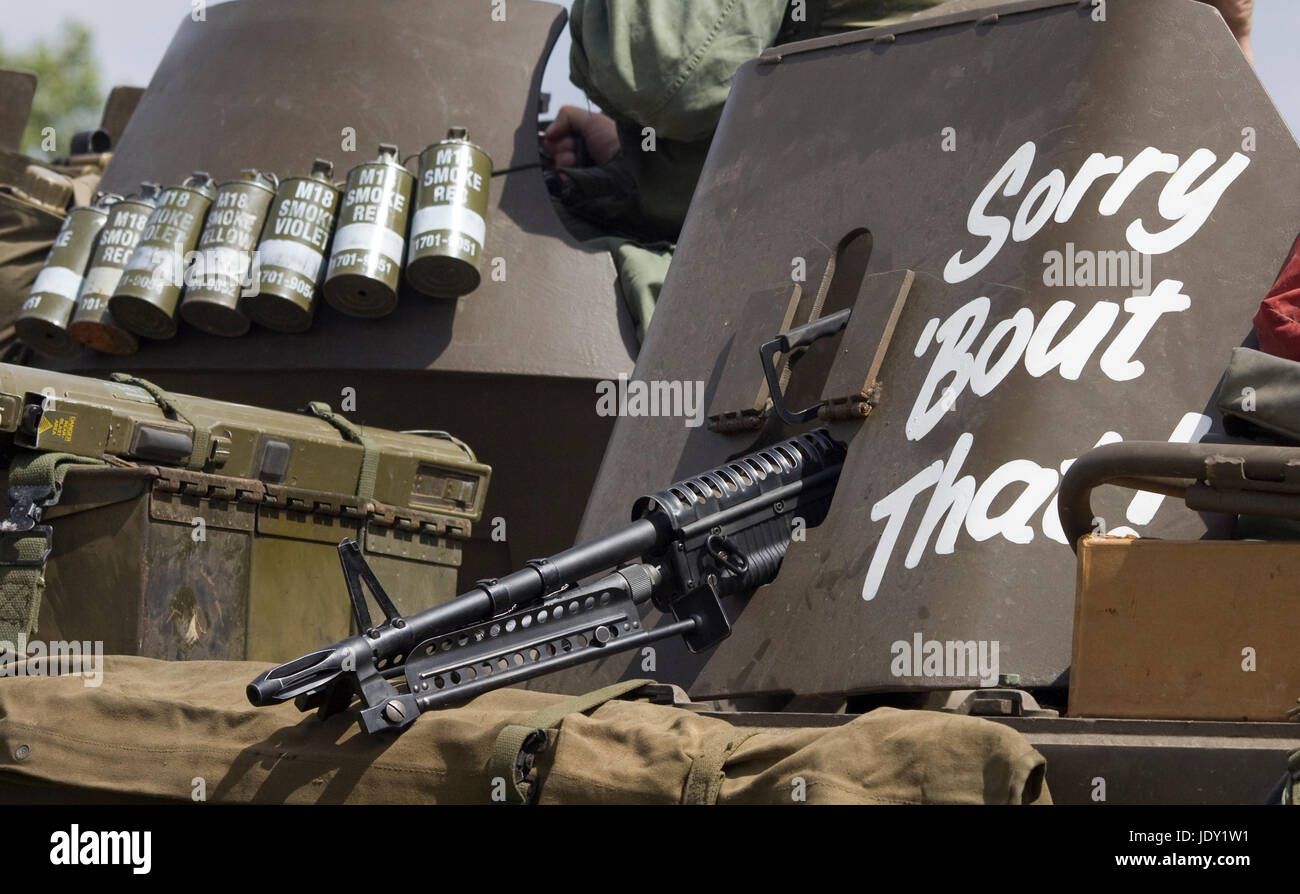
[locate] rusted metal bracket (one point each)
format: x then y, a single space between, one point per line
192 486
997 702
843 397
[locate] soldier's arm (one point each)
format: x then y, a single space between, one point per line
597 132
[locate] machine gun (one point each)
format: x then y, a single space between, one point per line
719 534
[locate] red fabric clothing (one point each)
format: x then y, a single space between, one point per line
1278 321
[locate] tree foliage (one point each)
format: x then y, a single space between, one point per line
69 94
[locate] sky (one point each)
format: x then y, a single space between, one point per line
131 35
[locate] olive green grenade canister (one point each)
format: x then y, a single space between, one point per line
43 321
225 255
450 219
92 324
146 298
291 255
366 262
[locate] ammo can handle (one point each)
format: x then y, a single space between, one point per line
790 340
1226 478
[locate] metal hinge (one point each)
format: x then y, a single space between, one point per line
220 488
317 502
738 421
404 519
217 488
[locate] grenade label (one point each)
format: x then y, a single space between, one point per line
295 257
435 222
292 252
43 320
372 222
365 267
57 281
91 322
98 286
449 225
119 239
366 238
159 259
454 189
168 230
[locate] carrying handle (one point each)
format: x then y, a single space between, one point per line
1226 478
790 340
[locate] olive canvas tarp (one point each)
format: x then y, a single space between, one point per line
183 731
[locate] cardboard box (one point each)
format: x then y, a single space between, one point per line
1202 630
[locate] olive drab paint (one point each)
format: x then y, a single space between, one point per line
225 254
369 245
128 570
450 220
92 324
150 288
292 251
43 322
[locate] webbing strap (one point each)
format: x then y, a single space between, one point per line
355 433
21 586
529 737
29 469
23 552
704 781
168 403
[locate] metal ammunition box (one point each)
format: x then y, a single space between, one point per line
232 555
449 224
92 324
226 249
43 323
366 264
291 254
150 287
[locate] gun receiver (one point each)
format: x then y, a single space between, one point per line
719 534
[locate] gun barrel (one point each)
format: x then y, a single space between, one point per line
532 583
302 675
486 600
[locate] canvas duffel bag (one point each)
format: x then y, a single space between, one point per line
131 728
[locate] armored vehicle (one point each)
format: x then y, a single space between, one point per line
1002 236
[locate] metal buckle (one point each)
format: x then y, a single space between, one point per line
44 531
26 501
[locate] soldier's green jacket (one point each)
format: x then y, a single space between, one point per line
668 65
